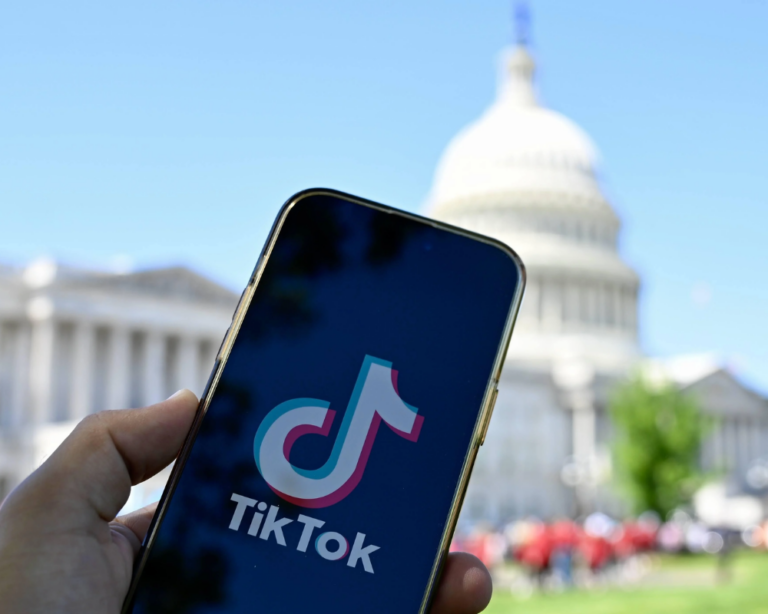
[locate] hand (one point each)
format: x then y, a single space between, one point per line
63 550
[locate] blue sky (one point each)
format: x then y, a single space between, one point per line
162 133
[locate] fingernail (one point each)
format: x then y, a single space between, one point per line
175 394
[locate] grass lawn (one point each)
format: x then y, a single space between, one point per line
678 585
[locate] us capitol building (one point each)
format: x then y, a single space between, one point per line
74 341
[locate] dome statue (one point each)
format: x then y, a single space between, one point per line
527 176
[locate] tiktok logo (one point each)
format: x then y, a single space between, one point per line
374 398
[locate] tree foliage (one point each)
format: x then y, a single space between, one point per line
659 431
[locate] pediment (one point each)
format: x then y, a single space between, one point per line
721 393
171 282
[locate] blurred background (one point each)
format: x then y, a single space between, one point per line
618 147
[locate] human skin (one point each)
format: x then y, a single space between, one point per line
63 550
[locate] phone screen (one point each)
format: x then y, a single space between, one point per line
324 471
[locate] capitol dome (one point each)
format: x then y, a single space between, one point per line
518 148
527 176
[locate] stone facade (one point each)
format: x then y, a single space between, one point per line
528 176
73 342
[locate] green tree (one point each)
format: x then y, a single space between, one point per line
659 431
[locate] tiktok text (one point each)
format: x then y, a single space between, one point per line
330 545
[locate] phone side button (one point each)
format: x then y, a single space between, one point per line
223 344
241 302
488 415
210 380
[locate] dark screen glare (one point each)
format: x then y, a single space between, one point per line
323 473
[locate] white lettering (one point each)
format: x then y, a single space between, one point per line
256 520
330 545
361 554
242 504
272 525
321 545
310 524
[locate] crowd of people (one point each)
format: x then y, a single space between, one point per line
566 553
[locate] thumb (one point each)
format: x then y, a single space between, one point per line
110 451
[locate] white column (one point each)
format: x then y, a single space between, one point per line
717 446
755 437
599 306
20 373
552 305
732 445
153 368
763 438
584 427
41 370
738 447
605 305
40 312
186 365
572 306
745 443
7 339
705 453
727 447
6 374
530 307
593 305
584 448
626 306
575 379
82 370
118 367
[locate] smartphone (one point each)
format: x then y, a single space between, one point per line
329 457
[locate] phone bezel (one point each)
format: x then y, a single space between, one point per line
483 413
